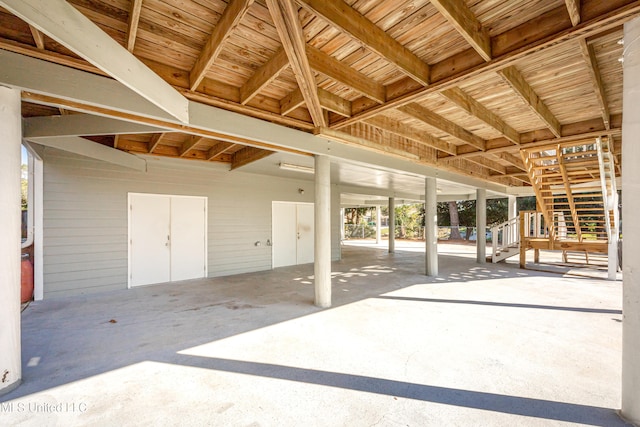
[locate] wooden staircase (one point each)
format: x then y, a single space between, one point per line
575 189
574 184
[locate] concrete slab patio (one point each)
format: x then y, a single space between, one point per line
478 345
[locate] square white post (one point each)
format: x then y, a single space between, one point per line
10 219
431 227
481 225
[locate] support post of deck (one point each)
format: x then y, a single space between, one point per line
631 227
392 225
10 219
378 225
322 241
481 225
523 241
431 226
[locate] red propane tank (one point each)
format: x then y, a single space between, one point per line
26 269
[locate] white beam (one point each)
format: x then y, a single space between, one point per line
65 24
10 138
81 125
84 147
87 92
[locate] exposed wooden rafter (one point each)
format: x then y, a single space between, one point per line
190 143
573 7
248 155
231 17
263 76
348 20
596 80
38 37
422 137
285 18
432 119
292 101
336 70
465 22
508 48
517 82
476 109
156 139
219 148
132 23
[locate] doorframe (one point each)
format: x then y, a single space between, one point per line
206 231
287 203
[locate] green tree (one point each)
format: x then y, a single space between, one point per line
24 185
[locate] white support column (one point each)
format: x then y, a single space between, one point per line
10 140
481 225
392 225
378 225
431 227
631 227
512 207
337 224
322 264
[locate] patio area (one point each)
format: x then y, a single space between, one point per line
477 345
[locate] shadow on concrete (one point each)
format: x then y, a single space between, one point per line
504 304
528 407
80 337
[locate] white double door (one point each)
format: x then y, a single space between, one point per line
167 238
292 233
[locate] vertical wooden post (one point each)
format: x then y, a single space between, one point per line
523 242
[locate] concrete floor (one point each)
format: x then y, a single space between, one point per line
478 345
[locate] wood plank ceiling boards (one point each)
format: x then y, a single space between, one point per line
457 85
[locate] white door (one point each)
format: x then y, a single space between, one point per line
167 238
149 235
188 238
284 229
305 249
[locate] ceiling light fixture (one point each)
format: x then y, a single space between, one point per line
296 168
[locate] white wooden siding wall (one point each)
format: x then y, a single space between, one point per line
85 217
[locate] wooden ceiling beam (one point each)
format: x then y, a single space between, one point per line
507 49
515 79
132 23
292 101
476 109
220 148
38 37
336 70
156 139
405 131
332 102
513 160
346 19
248 155
231 17
328 101
484 162
465 22
263 76
285 18
190 143
573 7
434 120
596 80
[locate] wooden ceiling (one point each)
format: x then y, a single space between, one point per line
459 84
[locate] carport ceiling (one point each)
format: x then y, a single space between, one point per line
459 85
